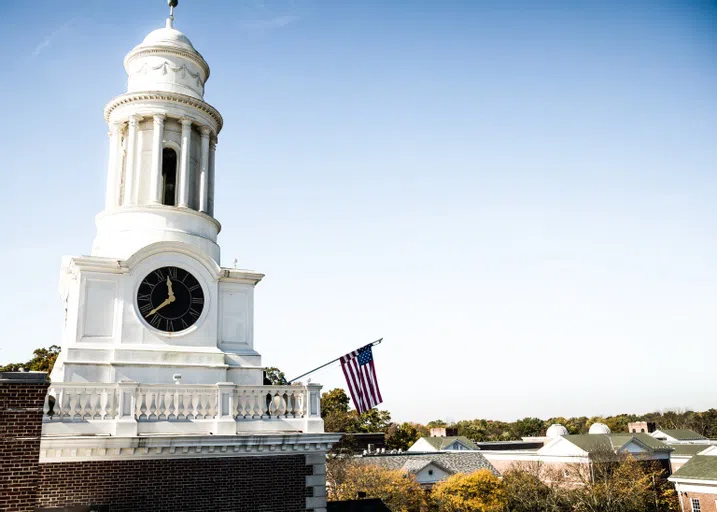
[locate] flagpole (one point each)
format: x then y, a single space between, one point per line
373 344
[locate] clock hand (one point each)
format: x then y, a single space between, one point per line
169 287
166 302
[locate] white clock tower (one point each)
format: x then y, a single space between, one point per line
151 303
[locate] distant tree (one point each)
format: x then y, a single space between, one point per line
475 430
43 360
275 376
402 436
532 487
615 482
436 424
528 427
338 417
480 491
374 420
398 490
334 401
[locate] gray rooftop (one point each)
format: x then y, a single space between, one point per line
452 462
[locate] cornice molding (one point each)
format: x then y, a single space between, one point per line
163 50
74 449
175 97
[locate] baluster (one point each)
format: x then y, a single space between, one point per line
142 405
291 396
186 404
256 403
62 408
301 403
170 398
240 405
74 404
213 406
200 404
97 403
161 405
46 406
235 403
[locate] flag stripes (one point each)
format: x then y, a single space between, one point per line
360 374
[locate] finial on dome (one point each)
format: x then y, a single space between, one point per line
172 5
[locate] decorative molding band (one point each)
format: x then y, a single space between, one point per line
164 96
75 449
163 50
166 66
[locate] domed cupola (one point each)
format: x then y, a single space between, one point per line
599 428
166 61
556 430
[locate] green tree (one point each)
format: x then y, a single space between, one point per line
436 424
42 361
528 427
334 401
401 437
276 376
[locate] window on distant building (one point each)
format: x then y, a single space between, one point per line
566 473
696 505
642 430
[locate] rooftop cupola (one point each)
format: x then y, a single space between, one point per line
166 61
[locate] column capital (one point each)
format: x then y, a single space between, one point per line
213 141
205 130
186 122
159 118
134 119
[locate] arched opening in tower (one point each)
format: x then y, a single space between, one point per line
169 177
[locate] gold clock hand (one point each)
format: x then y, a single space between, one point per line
166 302
169 287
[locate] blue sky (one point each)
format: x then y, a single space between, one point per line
519 199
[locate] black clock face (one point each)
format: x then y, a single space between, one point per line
170 299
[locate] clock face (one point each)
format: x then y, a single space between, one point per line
170 299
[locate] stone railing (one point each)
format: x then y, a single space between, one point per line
131 408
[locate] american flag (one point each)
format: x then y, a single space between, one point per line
360 376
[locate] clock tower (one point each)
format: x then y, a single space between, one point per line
151 303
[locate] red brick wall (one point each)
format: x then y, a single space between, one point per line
21 400
707 501
252 484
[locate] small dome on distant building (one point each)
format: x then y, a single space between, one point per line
599 428
556 430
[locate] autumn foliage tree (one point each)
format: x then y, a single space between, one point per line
345 479
481 491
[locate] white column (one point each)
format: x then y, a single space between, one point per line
210 177
183 180
131 161
155 187
112 192
204 171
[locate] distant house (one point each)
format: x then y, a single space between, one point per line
696 482
443 444
674 436
563 450
430 468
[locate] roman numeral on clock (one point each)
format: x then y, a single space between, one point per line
172 272
145 309
156 320
197 300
